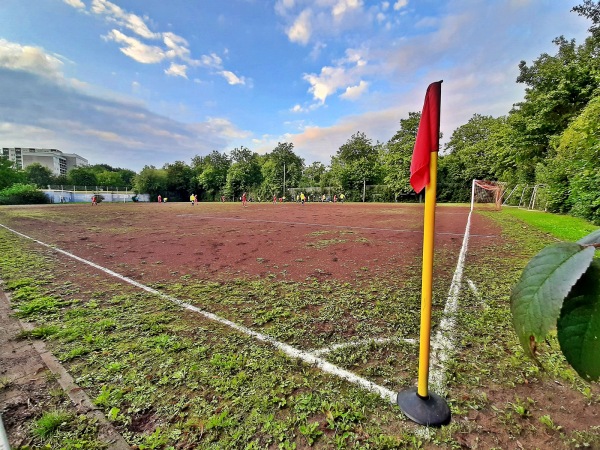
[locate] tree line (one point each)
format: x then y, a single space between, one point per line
551 137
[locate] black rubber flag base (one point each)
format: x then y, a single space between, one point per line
432 411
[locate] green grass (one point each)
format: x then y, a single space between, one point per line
49 423
566 228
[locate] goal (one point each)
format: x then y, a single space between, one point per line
487 192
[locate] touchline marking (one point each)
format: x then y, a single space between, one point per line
443 344
307 357
361 342
474 290
283 222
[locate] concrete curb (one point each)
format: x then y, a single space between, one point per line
82 402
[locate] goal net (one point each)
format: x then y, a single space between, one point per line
487 192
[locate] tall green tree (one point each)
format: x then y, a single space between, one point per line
82 176
591 10
281 160
471 153
151 181
213 175
245 174
39 175
313 174
573 172
180 180
109 178
558 87
396 154
356 164
9 175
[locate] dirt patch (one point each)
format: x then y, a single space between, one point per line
150 242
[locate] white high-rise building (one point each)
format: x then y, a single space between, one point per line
55 160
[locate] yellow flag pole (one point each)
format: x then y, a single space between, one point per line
419 404
427 282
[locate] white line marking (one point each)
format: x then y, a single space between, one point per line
308 358
443 344
358 343
474 289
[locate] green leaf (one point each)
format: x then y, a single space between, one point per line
579 325
590 239
537 298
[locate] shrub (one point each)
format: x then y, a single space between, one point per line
22 194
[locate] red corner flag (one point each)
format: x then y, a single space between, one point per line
428 137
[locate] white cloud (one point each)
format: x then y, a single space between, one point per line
178 47
222 127
175 48
317 20
345 6
385 6
29 59
123 18
400 4
212 61
354 92
136 50
75 3
327 82
232 78
300 31
347 71
177 70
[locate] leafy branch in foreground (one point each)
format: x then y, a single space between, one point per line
560 289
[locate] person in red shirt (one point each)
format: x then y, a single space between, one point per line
244 200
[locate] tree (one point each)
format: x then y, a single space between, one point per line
475 151
106 178
213 172
313 174
151 181
590 10
82 176
8 174
558 88
572 174
397 154
356 164
180 182
281 159
244 175
39 175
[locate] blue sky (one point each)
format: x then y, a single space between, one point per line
132 83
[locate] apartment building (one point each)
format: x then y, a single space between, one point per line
55 160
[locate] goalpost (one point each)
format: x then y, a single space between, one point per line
483 191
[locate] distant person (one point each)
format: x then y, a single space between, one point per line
274 199
94 203
334 198
159 198
302 197
244 201
222 199
323 198
192 199
195 199
342 197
